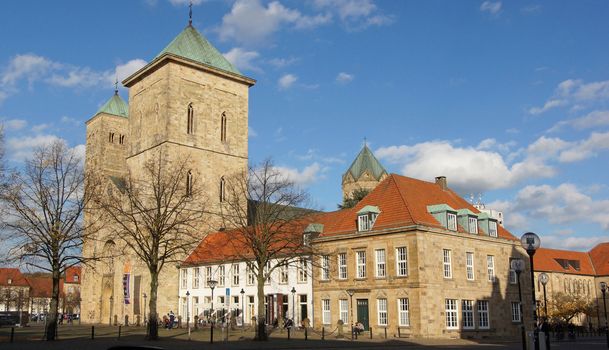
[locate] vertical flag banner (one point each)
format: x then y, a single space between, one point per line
126 278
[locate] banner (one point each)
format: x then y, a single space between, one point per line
126 278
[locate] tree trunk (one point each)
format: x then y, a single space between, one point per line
51 326
153 323
261 334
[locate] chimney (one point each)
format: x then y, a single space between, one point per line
441 181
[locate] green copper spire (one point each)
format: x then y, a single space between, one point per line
190 44
115 106
365 160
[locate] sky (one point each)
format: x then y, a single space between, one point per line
507 99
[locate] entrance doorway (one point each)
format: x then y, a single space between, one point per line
362 313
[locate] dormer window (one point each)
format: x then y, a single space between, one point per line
10 281
445 214
451 221
306 239
366 217
75 278
473 225
492 228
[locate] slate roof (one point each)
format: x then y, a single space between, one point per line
365 160
115 106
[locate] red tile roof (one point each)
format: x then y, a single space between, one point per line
600 259
549 260
71 272
13 274
42 286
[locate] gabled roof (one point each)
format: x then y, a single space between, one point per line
115 106
73 274
13 274
600 258
365 160
42 286
190 44
549 260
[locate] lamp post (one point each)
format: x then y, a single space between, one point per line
543 278
530 242
518 266
212 284
242 292
603 286
293 291
351 292
145 320
111 307
188 312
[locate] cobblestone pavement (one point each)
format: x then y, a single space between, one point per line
79 338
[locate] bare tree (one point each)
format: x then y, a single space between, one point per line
265 210
158 217
45 202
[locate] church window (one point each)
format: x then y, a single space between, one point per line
222 185
121 139
189 183
190 119
111 137
223 127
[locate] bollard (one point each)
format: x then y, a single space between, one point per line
306 334
323 333
92 332
12 334
399 335
385 332
289 333
370 332
119 331
56 332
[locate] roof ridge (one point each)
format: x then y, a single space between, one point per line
392 176
591 262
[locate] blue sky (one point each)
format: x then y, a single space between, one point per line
508 99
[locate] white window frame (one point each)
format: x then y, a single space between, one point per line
381 307
512 276
235 274
381 263
469 266
492 228
196 277
221 276
472 225
447 263
325 268
251 277
516 316
484 321
490 268
452 313
283 274
401 261
303 266
342 266
451 221
343 307
360 263
208 274
184 278
467 311
325 311
363 222
403 312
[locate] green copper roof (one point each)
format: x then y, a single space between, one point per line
369 209
115 106
365 160
318 228
190 44
462 212
437 208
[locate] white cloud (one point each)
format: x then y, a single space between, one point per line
286 81
251 132
531 9
591 120
185 2
77 77
28 66
344 78
122 71
587 148
305 176
21 148
243 59
576 93
252 23
282 62
356 14
583 244
67 120
550 104
38 128
491 7
14 124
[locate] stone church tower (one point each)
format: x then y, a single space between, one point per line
364 173
190 103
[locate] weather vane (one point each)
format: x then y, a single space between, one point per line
116 85
190 13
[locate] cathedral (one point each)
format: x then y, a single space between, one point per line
189 102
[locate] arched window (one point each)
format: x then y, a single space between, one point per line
190 120
189 183
111 137
222 188
223 127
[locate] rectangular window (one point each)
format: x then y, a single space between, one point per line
467 309
342 266
364 223
381 270
469 265
325 267
221 275
184 278
208 274
404 318
513 277
452 319
325 311
267 273
483 319
283 274
492 228
473 225
382 311
360 262
196 277
448 269
251 277
235 274
401 260
451 221
343 307
490 264
303 267
516 312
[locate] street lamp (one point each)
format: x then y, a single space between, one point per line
188 312
604 290
518 266
351 292
242 292
145 320
543 278
111 307
212 284
293 291
531 242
